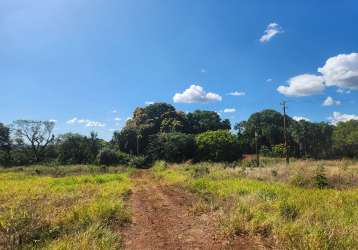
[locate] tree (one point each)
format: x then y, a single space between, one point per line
38 134
311 139
74 149
218 145
5 145
201 121
172 147
345 138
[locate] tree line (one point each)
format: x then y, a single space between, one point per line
160 132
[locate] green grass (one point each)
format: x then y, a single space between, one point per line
289 217
81 211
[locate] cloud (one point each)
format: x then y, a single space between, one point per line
203 71
196 94
118 119
237 93
272 30
86 122
52 120
148 102
329 101
341 71
301 118
339 117
303 85
89 123
342 91
269 80
229 110
72 121
114 111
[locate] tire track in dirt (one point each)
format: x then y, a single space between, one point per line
161 220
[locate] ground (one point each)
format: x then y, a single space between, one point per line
161 219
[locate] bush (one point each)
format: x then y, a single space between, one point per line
320 178
111 157
172 147
218 146
138 162
278 150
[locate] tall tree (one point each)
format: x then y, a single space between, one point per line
201 121
5 144
345 139
38 134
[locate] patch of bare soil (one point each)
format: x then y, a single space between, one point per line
161 220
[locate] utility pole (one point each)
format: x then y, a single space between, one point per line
283 104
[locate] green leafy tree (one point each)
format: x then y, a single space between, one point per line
267 125
5 145
201 121
77 149
218 145
345 139
172 147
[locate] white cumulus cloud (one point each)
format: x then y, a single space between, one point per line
339 117
72 121
89 123
272 30
86 122
237 93
329 101
229 110
52 120
300 118
341 71
149 102
196 94
303 85
118 119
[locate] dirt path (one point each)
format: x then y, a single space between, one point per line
161 220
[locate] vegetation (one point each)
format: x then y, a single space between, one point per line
283 215
82 209
56 204
159 132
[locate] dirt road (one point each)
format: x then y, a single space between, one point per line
161 220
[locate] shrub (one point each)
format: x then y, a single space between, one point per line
218 146
320 178
138 162
172 147
279 150
288 210
111 157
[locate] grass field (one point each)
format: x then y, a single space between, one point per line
287 214
76 207
307 205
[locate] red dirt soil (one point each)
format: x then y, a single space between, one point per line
161 220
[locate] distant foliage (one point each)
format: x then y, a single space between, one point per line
138 162
160 132
111 157
345 139
172 147
217 146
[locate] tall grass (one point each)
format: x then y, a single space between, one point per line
290 217
69 212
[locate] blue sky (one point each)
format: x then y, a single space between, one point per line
66 59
